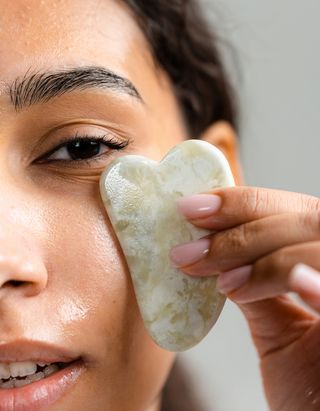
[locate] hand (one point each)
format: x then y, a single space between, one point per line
265 243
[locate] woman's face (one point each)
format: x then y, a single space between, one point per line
63 278
55 237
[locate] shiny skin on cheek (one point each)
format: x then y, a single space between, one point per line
84 259
95 280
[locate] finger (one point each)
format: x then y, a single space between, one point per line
305 281
276 274
227 207
276 323
246 243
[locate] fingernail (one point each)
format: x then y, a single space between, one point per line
199 205
190 253
231 280
304 278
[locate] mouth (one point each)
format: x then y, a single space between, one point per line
33 376
19 374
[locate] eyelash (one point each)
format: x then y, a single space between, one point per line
108 141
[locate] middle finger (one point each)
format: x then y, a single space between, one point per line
246 243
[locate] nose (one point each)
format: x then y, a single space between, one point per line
21 267
21 274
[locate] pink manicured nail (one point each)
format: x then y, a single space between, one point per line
305 279
199 205
231 280
190 253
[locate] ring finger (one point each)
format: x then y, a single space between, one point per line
276 274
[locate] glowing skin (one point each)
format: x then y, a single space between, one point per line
55 235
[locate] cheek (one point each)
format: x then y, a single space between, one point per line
95 306
87 271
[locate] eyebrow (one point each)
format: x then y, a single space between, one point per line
42 87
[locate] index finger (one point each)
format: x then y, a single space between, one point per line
227 207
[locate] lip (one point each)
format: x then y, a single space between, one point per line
39 395
26 350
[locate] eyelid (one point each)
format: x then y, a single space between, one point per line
108 138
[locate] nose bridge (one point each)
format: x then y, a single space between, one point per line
21 265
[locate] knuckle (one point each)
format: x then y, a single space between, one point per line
268 266
307 219
228 248
311 221
280 258
252 199
309 202
274 267
257 200
238 238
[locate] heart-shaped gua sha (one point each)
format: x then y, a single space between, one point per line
140 197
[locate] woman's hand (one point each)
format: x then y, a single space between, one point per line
266 243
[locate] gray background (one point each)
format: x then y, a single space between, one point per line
277 47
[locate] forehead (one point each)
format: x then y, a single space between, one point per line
56 34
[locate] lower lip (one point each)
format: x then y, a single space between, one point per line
40 394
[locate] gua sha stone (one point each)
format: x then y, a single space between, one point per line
140 196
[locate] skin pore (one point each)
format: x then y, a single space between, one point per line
56 240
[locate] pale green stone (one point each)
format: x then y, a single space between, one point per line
140 197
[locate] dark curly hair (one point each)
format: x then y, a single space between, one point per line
183 44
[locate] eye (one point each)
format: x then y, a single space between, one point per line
80 148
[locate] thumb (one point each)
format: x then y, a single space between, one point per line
275 323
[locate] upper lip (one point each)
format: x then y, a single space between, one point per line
35 351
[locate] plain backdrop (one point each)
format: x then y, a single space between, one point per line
276 42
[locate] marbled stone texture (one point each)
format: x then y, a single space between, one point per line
140 197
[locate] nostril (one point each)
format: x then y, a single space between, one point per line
28 288
23 276
15 283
